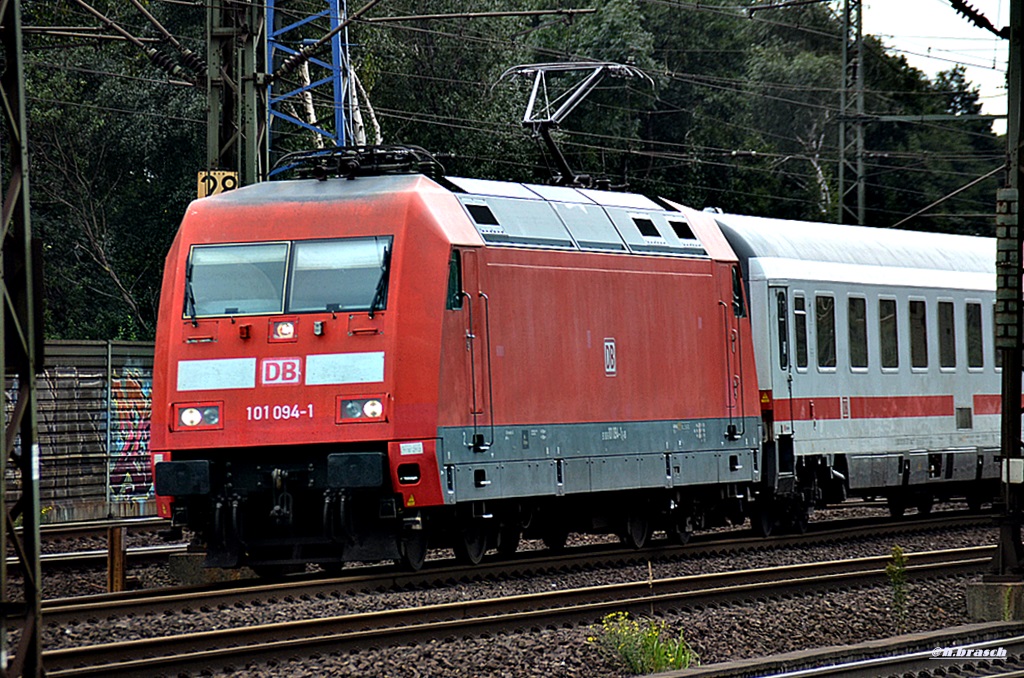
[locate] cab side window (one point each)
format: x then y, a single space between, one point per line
454 302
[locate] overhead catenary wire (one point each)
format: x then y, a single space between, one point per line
734 85
159 59
191 59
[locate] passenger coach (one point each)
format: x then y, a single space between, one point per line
875 357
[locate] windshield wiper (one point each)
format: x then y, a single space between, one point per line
382 283
190 297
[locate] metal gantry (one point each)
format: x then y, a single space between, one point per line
316 81
852 187
21 354
236 127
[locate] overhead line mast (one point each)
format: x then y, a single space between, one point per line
21 355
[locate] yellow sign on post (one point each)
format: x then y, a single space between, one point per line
216 181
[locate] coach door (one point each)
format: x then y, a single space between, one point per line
788 326
782 359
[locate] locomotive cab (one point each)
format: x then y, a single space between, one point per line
296 429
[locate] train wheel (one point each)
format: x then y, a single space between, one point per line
508 540
637 531
974 502
680 530
924 504
471 543
414 550
762 520
555 537
897 506
801 519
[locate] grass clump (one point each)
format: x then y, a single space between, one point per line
896 571
644 646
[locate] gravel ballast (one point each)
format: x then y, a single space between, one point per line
717 634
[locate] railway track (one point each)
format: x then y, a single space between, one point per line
441 572
226 647
986 649
846 529
97 557
98 528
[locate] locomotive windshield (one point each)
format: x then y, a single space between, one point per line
304 276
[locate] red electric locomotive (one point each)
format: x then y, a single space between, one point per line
359 367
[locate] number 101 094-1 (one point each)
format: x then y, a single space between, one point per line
278 412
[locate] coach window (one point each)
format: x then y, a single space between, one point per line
975 342
888 334
918 334
857 318
800 330
454 281
947 335
825 330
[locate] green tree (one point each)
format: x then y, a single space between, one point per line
114 147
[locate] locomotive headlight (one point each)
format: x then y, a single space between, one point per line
190 416
373 408
284 330
361 409
197 416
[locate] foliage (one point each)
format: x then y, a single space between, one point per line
743 114
896 571
643 646
114 149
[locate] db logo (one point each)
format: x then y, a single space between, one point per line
610 360
275 371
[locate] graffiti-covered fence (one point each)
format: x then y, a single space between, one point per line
94 404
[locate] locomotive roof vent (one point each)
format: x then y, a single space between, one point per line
519 216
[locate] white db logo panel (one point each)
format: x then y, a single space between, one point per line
610 360
277 371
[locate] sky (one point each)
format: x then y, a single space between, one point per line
934 37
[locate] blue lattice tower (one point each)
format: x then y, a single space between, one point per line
316 100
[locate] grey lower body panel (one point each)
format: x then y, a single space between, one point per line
567 459
922 467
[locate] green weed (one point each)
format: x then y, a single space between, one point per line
644 646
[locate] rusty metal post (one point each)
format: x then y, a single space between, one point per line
117 554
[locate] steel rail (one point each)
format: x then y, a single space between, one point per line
93 557
468 618
98 528
441 572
